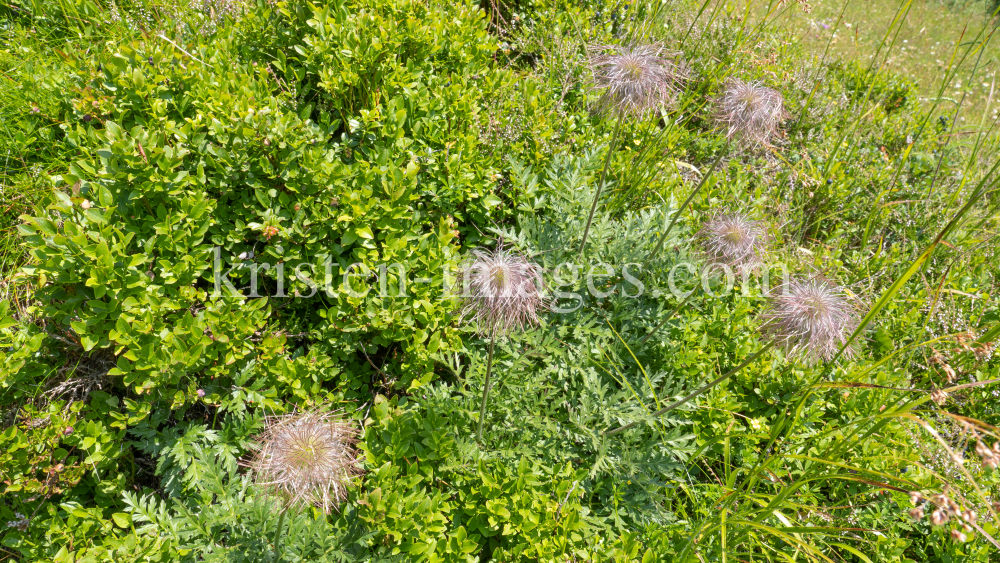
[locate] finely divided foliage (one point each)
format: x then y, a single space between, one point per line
307 458
636 79
811 317
749 112
500 291
735 240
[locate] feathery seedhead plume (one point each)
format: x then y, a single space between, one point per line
749 112
969 516
733 240
636 79
990 456
939 517
939 396
500 291
307 458
811 317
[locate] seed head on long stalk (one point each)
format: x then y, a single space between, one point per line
811 317
636 79
500 291
307 458
749 112
735 240
500 294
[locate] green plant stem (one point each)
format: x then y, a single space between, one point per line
698 391
277 535
486 391
600 185
704 180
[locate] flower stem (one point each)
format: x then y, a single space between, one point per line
277 535
486 391
698 391
600 185
704 180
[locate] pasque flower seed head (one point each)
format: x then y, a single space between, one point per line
307 458
811 317
749 112
500 291
733 240
638 78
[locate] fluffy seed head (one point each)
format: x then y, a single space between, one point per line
307 458
989 456
636 79
811 317
500 291
939 396
750 113
969 516
939 517
733 240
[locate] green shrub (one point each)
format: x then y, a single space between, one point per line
207 154
429 500
200 162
